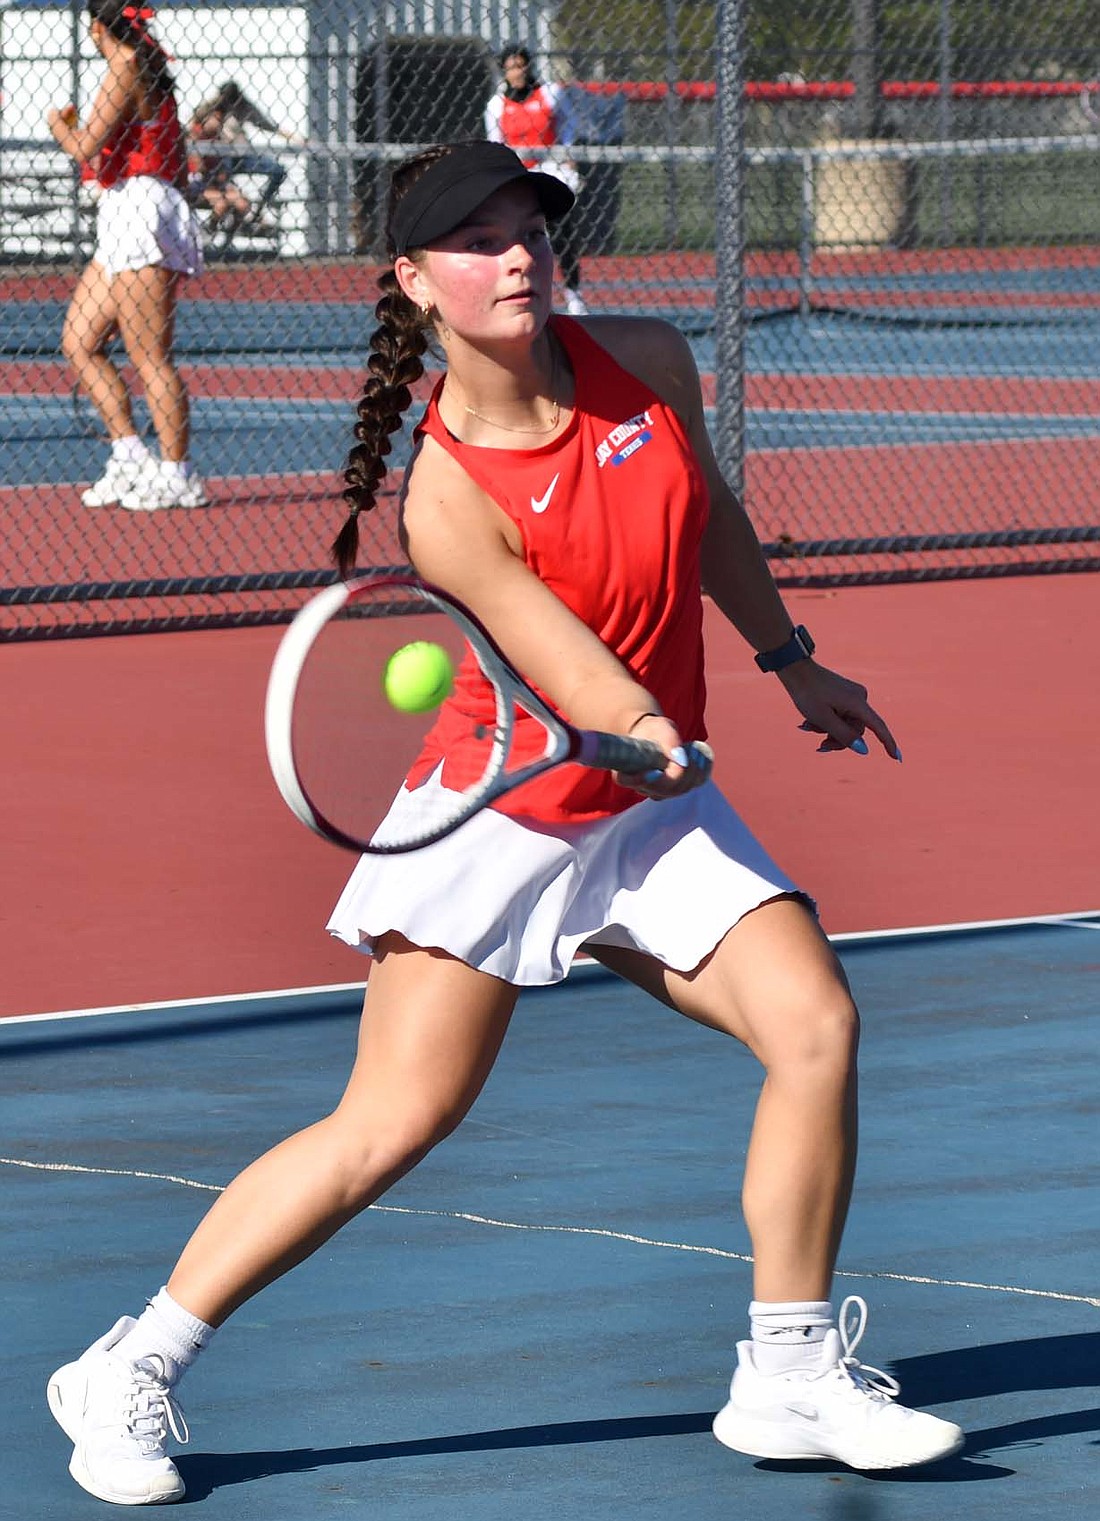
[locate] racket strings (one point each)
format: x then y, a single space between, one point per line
375 774
372 776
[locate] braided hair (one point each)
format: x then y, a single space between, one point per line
395 365
127 21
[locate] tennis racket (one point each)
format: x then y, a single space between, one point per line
340 753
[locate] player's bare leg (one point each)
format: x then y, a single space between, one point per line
430 1033
90 323
145 300
91 319
798 1391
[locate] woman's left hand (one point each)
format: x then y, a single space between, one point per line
836 708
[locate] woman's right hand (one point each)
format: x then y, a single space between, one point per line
688 765
63 117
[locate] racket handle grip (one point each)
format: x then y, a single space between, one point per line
616 752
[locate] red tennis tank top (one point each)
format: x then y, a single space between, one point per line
154 147
529 123
611 514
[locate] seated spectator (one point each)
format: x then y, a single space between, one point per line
208 181
219 123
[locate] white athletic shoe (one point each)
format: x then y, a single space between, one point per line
575 303
118 1416
120 476
838 1408
156 489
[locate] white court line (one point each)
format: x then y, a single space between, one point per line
886 446
571 1230
188 1003
1079 919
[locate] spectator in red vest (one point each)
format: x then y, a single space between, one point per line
524 113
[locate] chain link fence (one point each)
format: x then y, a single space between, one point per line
879 227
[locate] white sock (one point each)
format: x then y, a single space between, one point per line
788 1335
170 1331
129 449
180 468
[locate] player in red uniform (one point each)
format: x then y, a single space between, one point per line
526 113
147 238
564 487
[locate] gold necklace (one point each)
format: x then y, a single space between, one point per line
506 427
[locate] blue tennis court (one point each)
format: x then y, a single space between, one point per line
540 1319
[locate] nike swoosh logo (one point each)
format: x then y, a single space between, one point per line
540 503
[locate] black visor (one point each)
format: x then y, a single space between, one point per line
445 195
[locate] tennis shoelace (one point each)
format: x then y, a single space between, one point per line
150 1410
872 1382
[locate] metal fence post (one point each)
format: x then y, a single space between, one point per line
806 236
76 29
729 197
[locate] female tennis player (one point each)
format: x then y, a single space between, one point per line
563 487
132 150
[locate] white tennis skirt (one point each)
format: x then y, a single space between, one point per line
143 221
518 900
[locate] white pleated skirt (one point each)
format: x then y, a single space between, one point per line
518 900
141 222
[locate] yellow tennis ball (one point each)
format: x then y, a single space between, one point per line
418 677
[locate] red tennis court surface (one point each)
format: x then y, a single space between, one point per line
232 381
355 278
260 523
149 857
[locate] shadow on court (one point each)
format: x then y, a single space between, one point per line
1054 1362
205 1472
540 1320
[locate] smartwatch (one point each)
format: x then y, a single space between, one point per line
798 647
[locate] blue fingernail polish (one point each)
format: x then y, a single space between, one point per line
652 776
897 756
679 755
859 746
